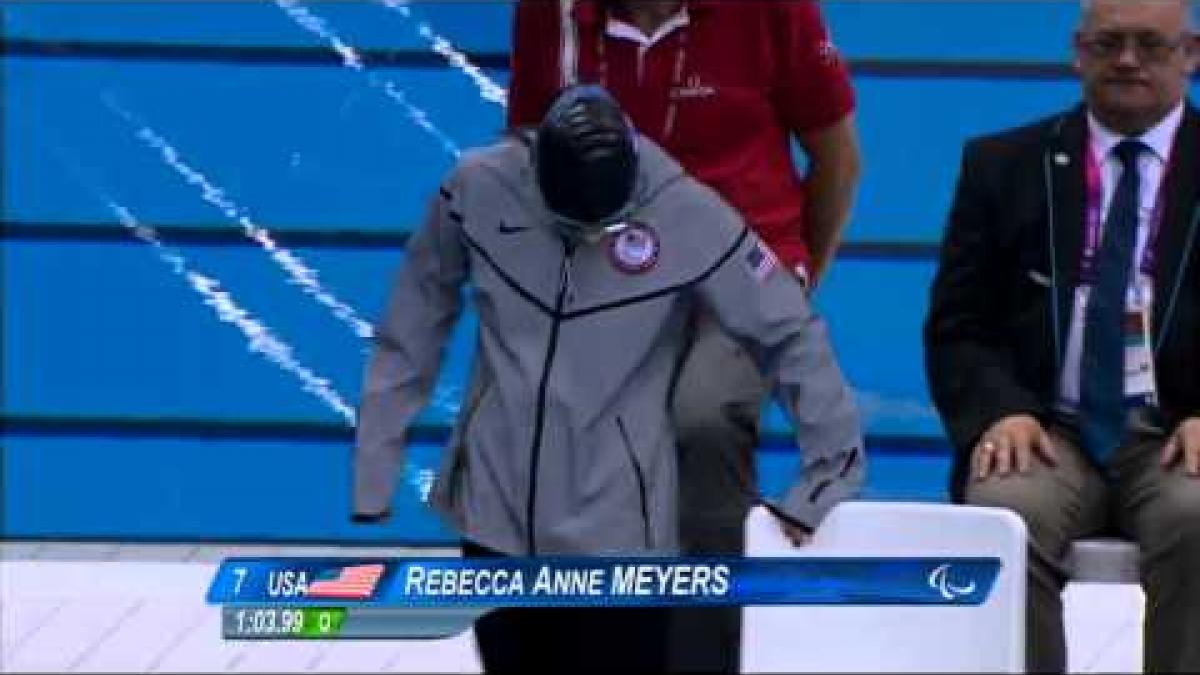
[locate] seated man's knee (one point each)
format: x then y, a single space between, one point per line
1179 509
1030 498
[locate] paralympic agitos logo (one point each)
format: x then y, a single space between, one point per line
939 580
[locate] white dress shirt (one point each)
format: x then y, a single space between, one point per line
1152 168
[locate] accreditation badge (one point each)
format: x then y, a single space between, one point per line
1140 387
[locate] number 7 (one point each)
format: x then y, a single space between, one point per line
241 577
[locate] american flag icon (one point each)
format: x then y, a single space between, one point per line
347 583
761 262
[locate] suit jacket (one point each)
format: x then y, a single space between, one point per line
1001 300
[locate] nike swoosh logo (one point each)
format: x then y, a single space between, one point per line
512 229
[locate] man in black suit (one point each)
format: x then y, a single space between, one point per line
1063 339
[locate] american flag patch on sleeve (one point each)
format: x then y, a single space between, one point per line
761 262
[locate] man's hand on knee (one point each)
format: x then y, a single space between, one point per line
1011 444
1184 444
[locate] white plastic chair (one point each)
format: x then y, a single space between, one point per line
987 638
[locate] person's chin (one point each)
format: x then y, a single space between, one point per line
1130 105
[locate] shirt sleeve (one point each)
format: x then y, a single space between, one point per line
535 61
424 305
814 90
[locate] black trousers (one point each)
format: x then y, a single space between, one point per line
570 639
707 639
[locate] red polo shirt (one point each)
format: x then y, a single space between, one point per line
721 86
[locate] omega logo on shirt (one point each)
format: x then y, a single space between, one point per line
693 87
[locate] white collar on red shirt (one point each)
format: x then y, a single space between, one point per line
617 28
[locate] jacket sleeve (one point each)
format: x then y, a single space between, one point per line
968 358
424 305
756 300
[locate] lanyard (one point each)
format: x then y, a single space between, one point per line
668 127
1093 220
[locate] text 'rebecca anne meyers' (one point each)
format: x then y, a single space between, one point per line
649 580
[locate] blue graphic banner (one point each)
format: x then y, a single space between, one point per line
433 583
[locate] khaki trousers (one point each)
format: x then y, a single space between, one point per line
1134 498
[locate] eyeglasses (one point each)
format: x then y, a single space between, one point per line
1150 47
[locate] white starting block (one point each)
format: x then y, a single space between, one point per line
985 638
1104 606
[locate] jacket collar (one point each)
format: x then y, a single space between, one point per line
1178 238
1063 165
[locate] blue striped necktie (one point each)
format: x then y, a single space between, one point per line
1102 368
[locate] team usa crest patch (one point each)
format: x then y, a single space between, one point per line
634 250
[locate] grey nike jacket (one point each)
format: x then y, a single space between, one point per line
564 444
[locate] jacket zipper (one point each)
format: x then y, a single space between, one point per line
641 480
540 416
